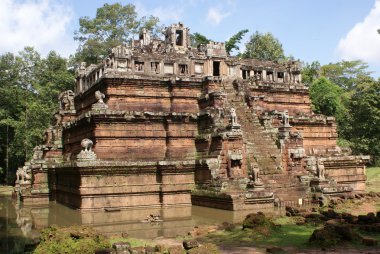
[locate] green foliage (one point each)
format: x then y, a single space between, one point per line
74 239
373 179
310 72
285 235
196 39
346 74
331 235
346 91
326 97
264 47
29 87
113 25
134 242
364 109
232 43
341 142
207 248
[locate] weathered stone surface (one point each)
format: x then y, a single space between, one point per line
189 244
241 129
121 247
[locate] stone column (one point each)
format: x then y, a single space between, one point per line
264 75
286 77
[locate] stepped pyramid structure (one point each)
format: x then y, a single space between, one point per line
159 123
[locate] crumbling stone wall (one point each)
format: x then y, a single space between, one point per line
161 116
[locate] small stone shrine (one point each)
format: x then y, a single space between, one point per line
159 123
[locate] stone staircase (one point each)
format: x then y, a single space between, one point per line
261 148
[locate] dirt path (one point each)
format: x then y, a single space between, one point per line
290 250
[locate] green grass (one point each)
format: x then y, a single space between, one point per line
288 235
374 235
373 179
282 236
133 241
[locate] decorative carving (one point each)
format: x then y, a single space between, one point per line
311 165
66 100
23 175
233 117
37 153
99 96
285 118
257 78
320 169
86 153
57 119
255 174
48 140
100 103
254 180
83 65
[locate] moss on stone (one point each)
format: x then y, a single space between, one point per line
74 239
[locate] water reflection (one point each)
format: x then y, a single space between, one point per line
20 224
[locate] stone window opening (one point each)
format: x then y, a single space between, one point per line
280 76
139 66
179 38
155 67
245 74
258 73
234 168
183 69
216 69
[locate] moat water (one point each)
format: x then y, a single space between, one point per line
21 224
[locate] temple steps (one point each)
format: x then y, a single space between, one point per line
260 146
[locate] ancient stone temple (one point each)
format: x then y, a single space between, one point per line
159 123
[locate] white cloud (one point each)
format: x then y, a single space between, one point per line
363 41
42 24
215 15
166 14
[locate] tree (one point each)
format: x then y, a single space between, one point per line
364 111
310 72
346 74
329 99
113 25
232 43
264 47
326 98
197 39
29 87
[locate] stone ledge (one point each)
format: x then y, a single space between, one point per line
104 163
125 116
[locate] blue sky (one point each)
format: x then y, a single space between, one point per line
323 30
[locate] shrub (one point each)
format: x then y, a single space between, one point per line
74 239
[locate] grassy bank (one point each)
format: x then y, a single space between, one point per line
6 190
282 236
373 179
